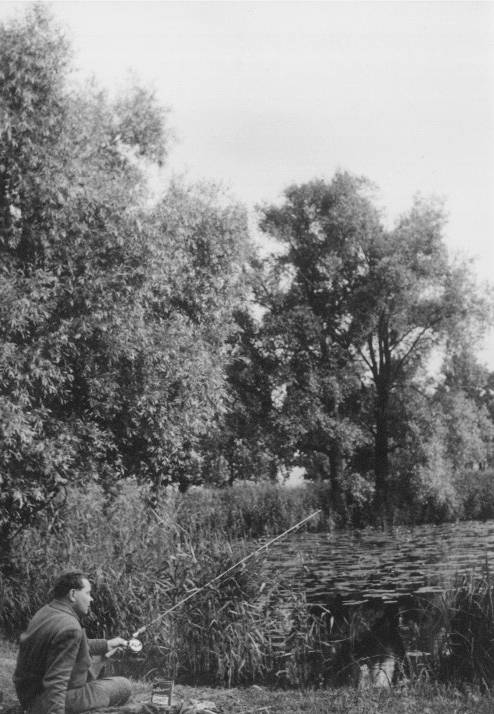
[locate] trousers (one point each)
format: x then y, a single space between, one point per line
98 694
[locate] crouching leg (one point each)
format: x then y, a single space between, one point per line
98 694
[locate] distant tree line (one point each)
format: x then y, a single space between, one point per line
146 337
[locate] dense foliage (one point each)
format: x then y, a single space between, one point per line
140 336
354 315
113 312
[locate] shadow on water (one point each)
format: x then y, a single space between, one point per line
377 592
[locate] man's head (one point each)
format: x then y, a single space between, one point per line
76 589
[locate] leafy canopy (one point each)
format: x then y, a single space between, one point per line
112 313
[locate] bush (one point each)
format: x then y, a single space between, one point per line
476 491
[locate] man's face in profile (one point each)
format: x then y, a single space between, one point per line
81 599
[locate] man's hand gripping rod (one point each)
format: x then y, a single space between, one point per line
135 644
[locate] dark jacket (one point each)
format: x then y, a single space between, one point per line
54 655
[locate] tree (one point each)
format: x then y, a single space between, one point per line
301 294
357 312
195 280
462 416
242 445
112 313
71 253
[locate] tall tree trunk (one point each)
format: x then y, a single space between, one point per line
336 463
381 456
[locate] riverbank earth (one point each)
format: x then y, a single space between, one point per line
409 698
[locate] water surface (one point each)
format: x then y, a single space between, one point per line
359 565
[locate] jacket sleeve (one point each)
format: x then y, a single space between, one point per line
60 662
98 647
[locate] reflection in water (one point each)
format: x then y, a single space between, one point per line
379 672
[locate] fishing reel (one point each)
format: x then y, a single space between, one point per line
134 645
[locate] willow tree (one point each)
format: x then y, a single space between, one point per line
356 313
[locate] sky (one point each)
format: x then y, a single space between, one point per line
266 94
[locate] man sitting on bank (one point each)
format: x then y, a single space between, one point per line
54 672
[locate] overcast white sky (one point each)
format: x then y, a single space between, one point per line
264 94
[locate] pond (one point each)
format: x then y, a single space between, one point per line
368 564
385 578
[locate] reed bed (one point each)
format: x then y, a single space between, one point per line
142 560
466 613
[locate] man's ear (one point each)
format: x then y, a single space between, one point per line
72 595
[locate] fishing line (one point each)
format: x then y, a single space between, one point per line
142 629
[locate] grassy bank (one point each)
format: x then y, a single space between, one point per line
410 699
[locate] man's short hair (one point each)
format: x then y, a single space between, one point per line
67 582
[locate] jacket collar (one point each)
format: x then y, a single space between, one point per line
63 606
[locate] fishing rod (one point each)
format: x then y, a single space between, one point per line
135 645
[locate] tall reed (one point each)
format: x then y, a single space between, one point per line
468 616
